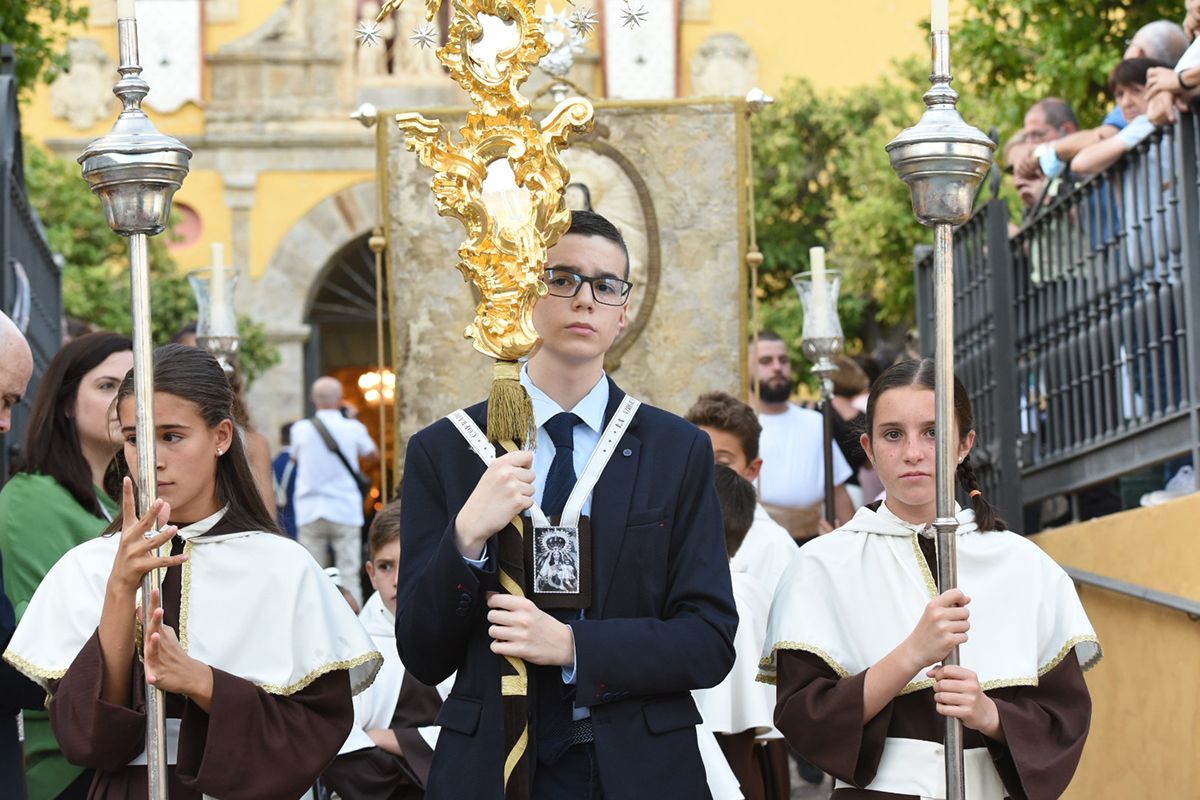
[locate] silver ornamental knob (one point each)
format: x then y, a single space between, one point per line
942 158
134 169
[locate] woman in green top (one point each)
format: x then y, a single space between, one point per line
56 501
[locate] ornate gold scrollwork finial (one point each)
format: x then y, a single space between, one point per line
508 231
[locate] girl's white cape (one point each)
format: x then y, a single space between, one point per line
856 593
253 604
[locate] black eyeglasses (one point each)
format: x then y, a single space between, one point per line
606 289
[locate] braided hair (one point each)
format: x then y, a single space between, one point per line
921 373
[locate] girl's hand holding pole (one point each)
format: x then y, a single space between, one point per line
943 625
138 554
957 693
168 667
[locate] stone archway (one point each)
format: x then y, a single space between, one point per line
280 298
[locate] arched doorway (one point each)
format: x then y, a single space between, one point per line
341 316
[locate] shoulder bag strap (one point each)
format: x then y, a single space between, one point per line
327 437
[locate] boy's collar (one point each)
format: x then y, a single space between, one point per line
591 409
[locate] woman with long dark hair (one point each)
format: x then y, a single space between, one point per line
256 651
57 500
858 631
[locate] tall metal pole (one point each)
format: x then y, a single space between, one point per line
943 160
143 382
135 171
946 463
827 413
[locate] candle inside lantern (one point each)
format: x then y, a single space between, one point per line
216 292
125 9
820 293
940 17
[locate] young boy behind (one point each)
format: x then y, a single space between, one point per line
766 550
386 757
739 710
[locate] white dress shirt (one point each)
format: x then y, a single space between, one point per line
324 487
587 435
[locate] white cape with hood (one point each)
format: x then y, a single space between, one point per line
253 604
856 593
375 707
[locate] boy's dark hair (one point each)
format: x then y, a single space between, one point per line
1132 72
724 412
285 434
385 528
737 506
589 223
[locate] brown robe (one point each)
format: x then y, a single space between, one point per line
821 715
250 745
375 774
740 751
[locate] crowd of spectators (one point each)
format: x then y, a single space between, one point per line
1053 150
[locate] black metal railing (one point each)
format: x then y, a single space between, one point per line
1072 335
30 282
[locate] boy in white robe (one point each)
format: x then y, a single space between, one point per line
386 756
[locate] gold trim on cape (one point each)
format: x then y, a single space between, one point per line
768 663
185 593
32 671
333 666
923 565
1071 644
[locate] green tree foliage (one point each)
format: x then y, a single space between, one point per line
95 276
36 30
1014 52
823 176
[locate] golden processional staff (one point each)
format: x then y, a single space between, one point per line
135 170
943 160
508 234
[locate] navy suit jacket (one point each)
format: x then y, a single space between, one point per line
662 619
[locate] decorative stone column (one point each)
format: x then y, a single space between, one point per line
240 189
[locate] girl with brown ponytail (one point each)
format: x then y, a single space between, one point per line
257 654
859 629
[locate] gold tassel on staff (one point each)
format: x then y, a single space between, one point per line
136 170
944 160
505 254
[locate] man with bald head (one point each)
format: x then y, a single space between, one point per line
16 366
327 448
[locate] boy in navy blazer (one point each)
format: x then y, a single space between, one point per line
611 714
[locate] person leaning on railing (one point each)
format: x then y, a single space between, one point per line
1169 91
1128 82
1161 40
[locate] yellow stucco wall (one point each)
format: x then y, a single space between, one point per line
834 45
283 199
203 190
1145 736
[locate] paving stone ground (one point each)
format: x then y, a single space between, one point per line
803 790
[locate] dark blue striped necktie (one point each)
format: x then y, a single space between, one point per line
560 480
